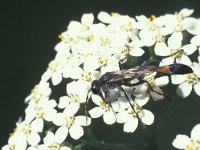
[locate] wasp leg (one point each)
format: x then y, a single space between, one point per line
126 95
122 61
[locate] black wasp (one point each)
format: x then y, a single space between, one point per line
116 79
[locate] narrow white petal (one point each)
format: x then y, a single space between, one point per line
96 112
181 141
76 131
162 81
197 88
195 133
109 117
146 116
61 134
131 125
184 89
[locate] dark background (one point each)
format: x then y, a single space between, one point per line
29 31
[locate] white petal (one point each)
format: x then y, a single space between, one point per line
33 139
72 109
37 125
87 19
175 40
184 60
96 112
167 61
177 79
186 12
162 81
142 100
195 133
184 89
104 17
131 125
49 138
109 117
61 134
58 119
122 117
161 49
136 52
197 88
181 141
146 116
189 49
196 40
76 131
65 148
56 78
81 120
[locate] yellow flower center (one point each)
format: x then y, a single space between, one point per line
150 80
176 53
74 98
127 27
26 129
104 41
53 66
194 145
54 146
86 76
137 109
84 28
103 61
192 78
36 95
104 105
69 121
39 112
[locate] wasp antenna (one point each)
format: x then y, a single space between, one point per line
86 107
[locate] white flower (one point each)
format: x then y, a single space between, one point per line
51 141
103 109
53 72
175 51
188 81
29 131
131 115
188 143
77 29
76 93
39 92
16 142
70 124
43 110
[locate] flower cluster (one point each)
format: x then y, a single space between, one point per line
88 50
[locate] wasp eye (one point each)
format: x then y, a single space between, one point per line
95 87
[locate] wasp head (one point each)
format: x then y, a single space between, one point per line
95 87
